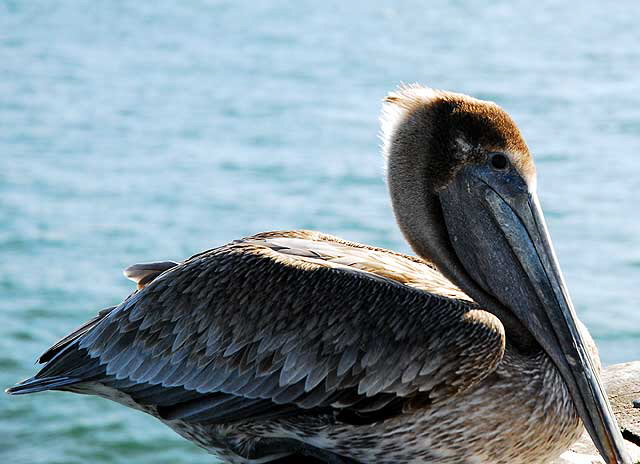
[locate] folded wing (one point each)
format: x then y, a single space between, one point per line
280 324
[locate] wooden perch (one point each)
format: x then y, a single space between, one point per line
622 382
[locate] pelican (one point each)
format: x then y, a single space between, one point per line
296 346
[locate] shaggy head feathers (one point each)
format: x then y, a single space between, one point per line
448 130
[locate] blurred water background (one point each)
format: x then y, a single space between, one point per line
137 131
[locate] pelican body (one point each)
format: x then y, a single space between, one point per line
296 346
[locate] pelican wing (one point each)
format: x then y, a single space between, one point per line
279 323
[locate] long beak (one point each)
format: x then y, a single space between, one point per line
525 229
500 236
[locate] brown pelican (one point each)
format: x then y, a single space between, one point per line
298 345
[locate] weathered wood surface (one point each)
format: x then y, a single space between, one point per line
622 382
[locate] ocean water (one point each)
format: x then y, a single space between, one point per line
138 131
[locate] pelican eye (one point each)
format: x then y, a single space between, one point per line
499 162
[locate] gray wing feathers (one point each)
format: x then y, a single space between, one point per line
246 321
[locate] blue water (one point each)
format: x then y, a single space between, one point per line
134 131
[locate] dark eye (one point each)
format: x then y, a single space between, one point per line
499 161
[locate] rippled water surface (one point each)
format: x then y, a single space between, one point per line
135 131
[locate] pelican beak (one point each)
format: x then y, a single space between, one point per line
517 266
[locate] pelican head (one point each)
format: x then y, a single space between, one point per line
463 188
